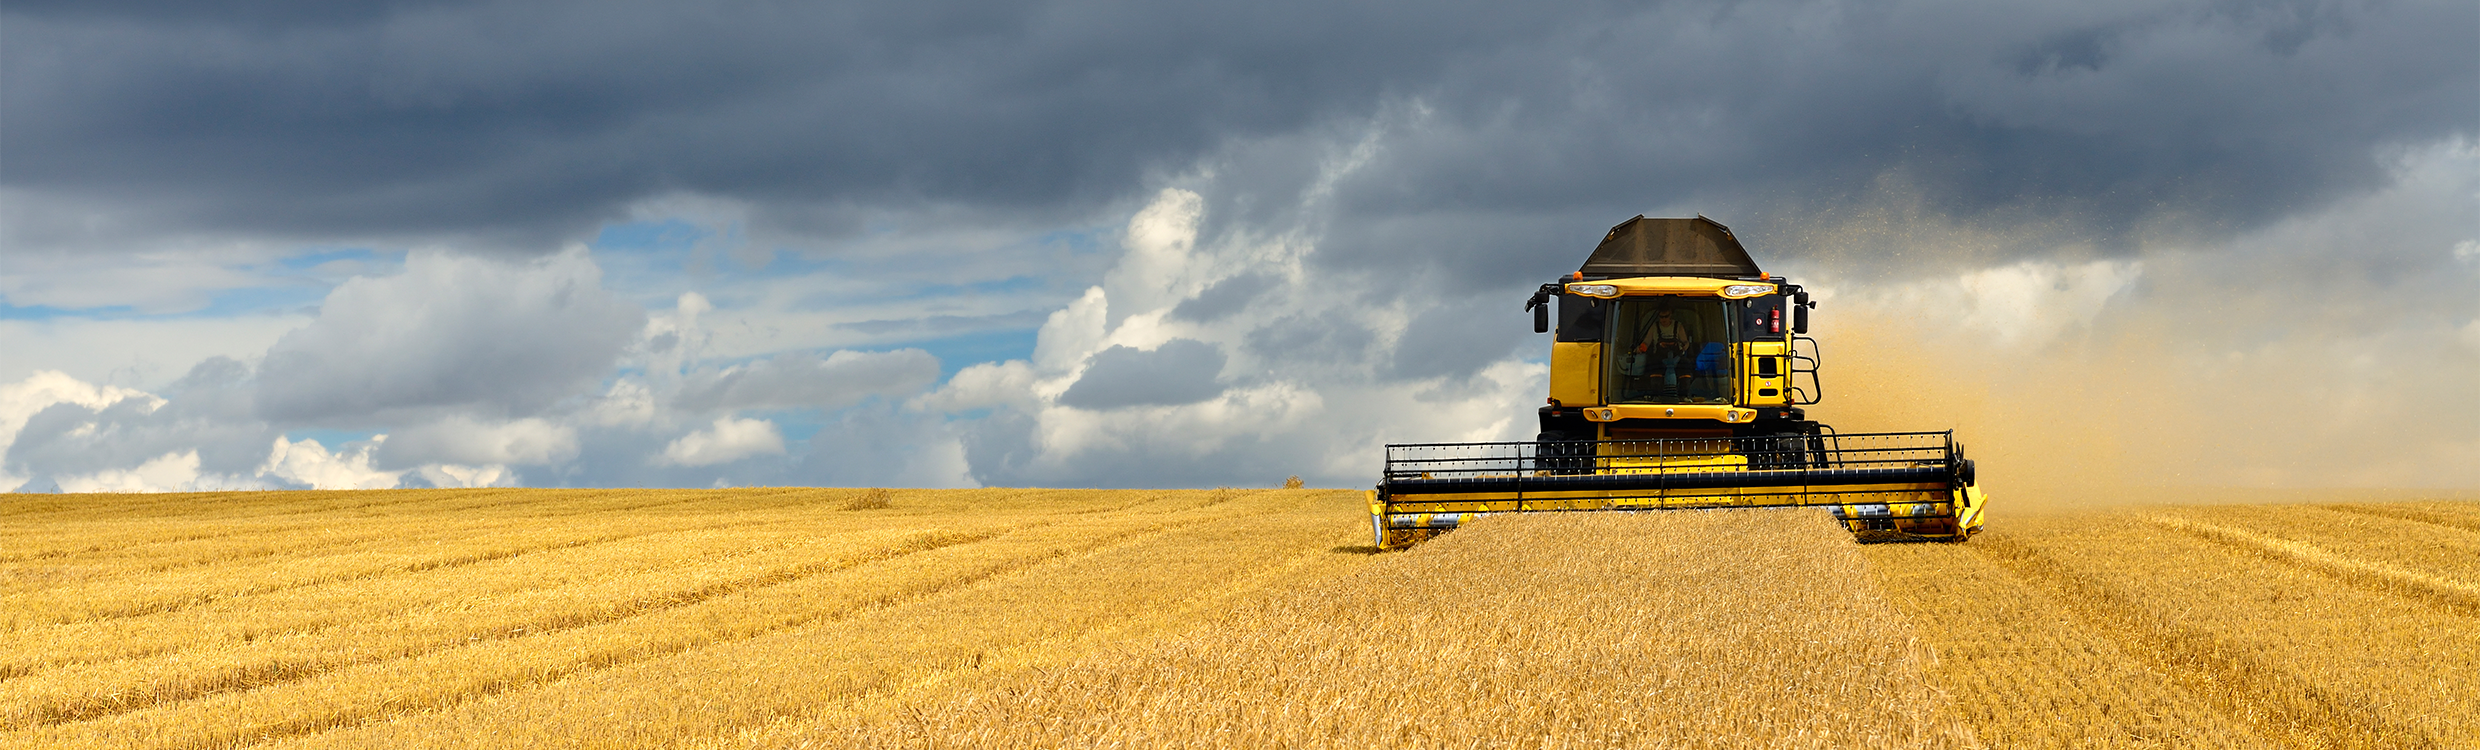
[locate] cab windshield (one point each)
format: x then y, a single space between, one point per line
1670 350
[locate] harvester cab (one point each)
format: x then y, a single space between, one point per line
1678 370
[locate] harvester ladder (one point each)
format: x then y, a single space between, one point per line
1805 363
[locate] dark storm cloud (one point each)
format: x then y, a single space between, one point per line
460 118
1455 341
523 121
1181 371
2221 116
1224 298
1305 338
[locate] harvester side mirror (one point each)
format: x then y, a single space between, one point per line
1799 312
1540 305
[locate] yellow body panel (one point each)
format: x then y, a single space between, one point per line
1576 373
1753 388
1716 412
1689 286
1970 518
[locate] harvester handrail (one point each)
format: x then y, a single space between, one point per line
1657 460
1658 440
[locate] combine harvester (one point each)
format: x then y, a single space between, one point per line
1676 379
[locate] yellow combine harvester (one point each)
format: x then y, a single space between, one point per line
1676 379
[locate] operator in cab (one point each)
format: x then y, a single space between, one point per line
1668 350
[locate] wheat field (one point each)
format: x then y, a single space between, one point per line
789 618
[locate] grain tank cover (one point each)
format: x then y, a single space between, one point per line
1669 247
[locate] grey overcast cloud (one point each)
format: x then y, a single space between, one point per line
304 244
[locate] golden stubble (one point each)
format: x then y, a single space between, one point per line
1711 629
2292 625
1215 618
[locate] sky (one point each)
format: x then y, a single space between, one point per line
284 244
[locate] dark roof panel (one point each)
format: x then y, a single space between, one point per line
1669 247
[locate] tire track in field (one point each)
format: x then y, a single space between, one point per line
927 684
256 675
47 659
2234 682
155 507
278 674
1238 581
2408 514
500 504
140 609
2367 574
318 517
639 500
323 518
180 505
119 544
28 662
178 604
321 547
297 722
87 504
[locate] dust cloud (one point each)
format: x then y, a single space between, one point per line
2292 363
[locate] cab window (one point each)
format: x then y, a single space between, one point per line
1670 350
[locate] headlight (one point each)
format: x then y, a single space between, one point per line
1736 291
1593 290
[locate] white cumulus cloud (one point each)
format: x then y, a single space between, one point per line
726 441
1225 358
21 400
348 468
450 332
